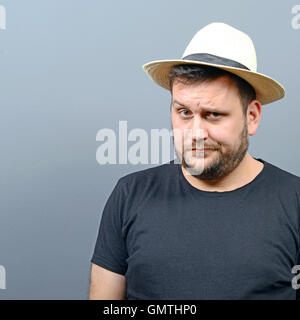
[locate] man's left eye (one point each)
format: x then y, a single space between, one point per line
215 114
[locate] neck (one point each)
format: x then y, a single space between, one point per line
244 173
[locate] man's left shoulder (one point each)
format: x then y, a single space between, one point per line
283 176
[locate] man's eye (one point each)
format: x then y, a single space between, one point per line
215 114
184 112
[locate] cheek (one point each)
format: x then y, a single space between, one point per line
177 131
223 135
177 123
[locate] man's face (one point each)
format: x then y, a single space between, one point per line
215 108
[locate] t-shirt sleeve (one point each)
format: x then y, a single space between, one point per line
110 249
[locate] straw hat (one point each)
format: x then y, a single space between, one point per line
222 46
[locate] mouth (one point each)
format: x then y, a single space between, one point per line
202 150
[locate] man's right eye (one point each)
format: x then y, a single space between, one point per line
184 112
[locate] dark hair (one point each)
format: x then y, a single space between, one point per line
190 73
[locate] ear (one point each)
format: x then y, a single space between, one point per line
253 116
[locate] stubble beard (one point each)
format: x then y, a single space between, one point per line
221 164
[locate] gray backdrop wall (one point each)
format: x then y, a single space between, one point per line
69 68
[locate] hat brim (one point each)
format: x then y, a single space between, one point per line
267 89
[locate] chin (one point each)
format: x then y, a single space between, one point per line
195 165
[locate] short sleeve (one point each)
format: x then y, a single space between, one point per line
110 249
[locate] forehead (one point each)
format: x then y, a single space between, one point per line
221 93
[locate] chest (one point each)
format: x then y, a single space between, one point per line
212 245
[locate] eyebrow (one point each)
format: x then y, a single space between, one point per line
210 109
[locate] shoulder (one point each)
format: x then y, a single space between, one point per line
146 186
283 178
149 176
281 173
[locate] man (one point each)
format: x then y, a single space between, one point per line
220 224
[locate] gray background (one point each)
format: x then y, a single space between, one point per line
68 69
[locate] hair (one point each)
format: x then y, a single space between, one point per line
191 73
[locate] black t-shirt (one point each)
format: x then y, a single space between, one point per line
174 241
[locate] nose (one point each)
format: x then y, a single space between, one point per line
199 129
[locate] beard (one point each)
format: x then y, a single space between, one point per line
220 164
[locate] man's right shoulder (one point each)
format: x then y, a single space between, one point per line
149 176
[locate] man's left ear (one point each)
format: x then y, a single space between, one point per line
253 116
